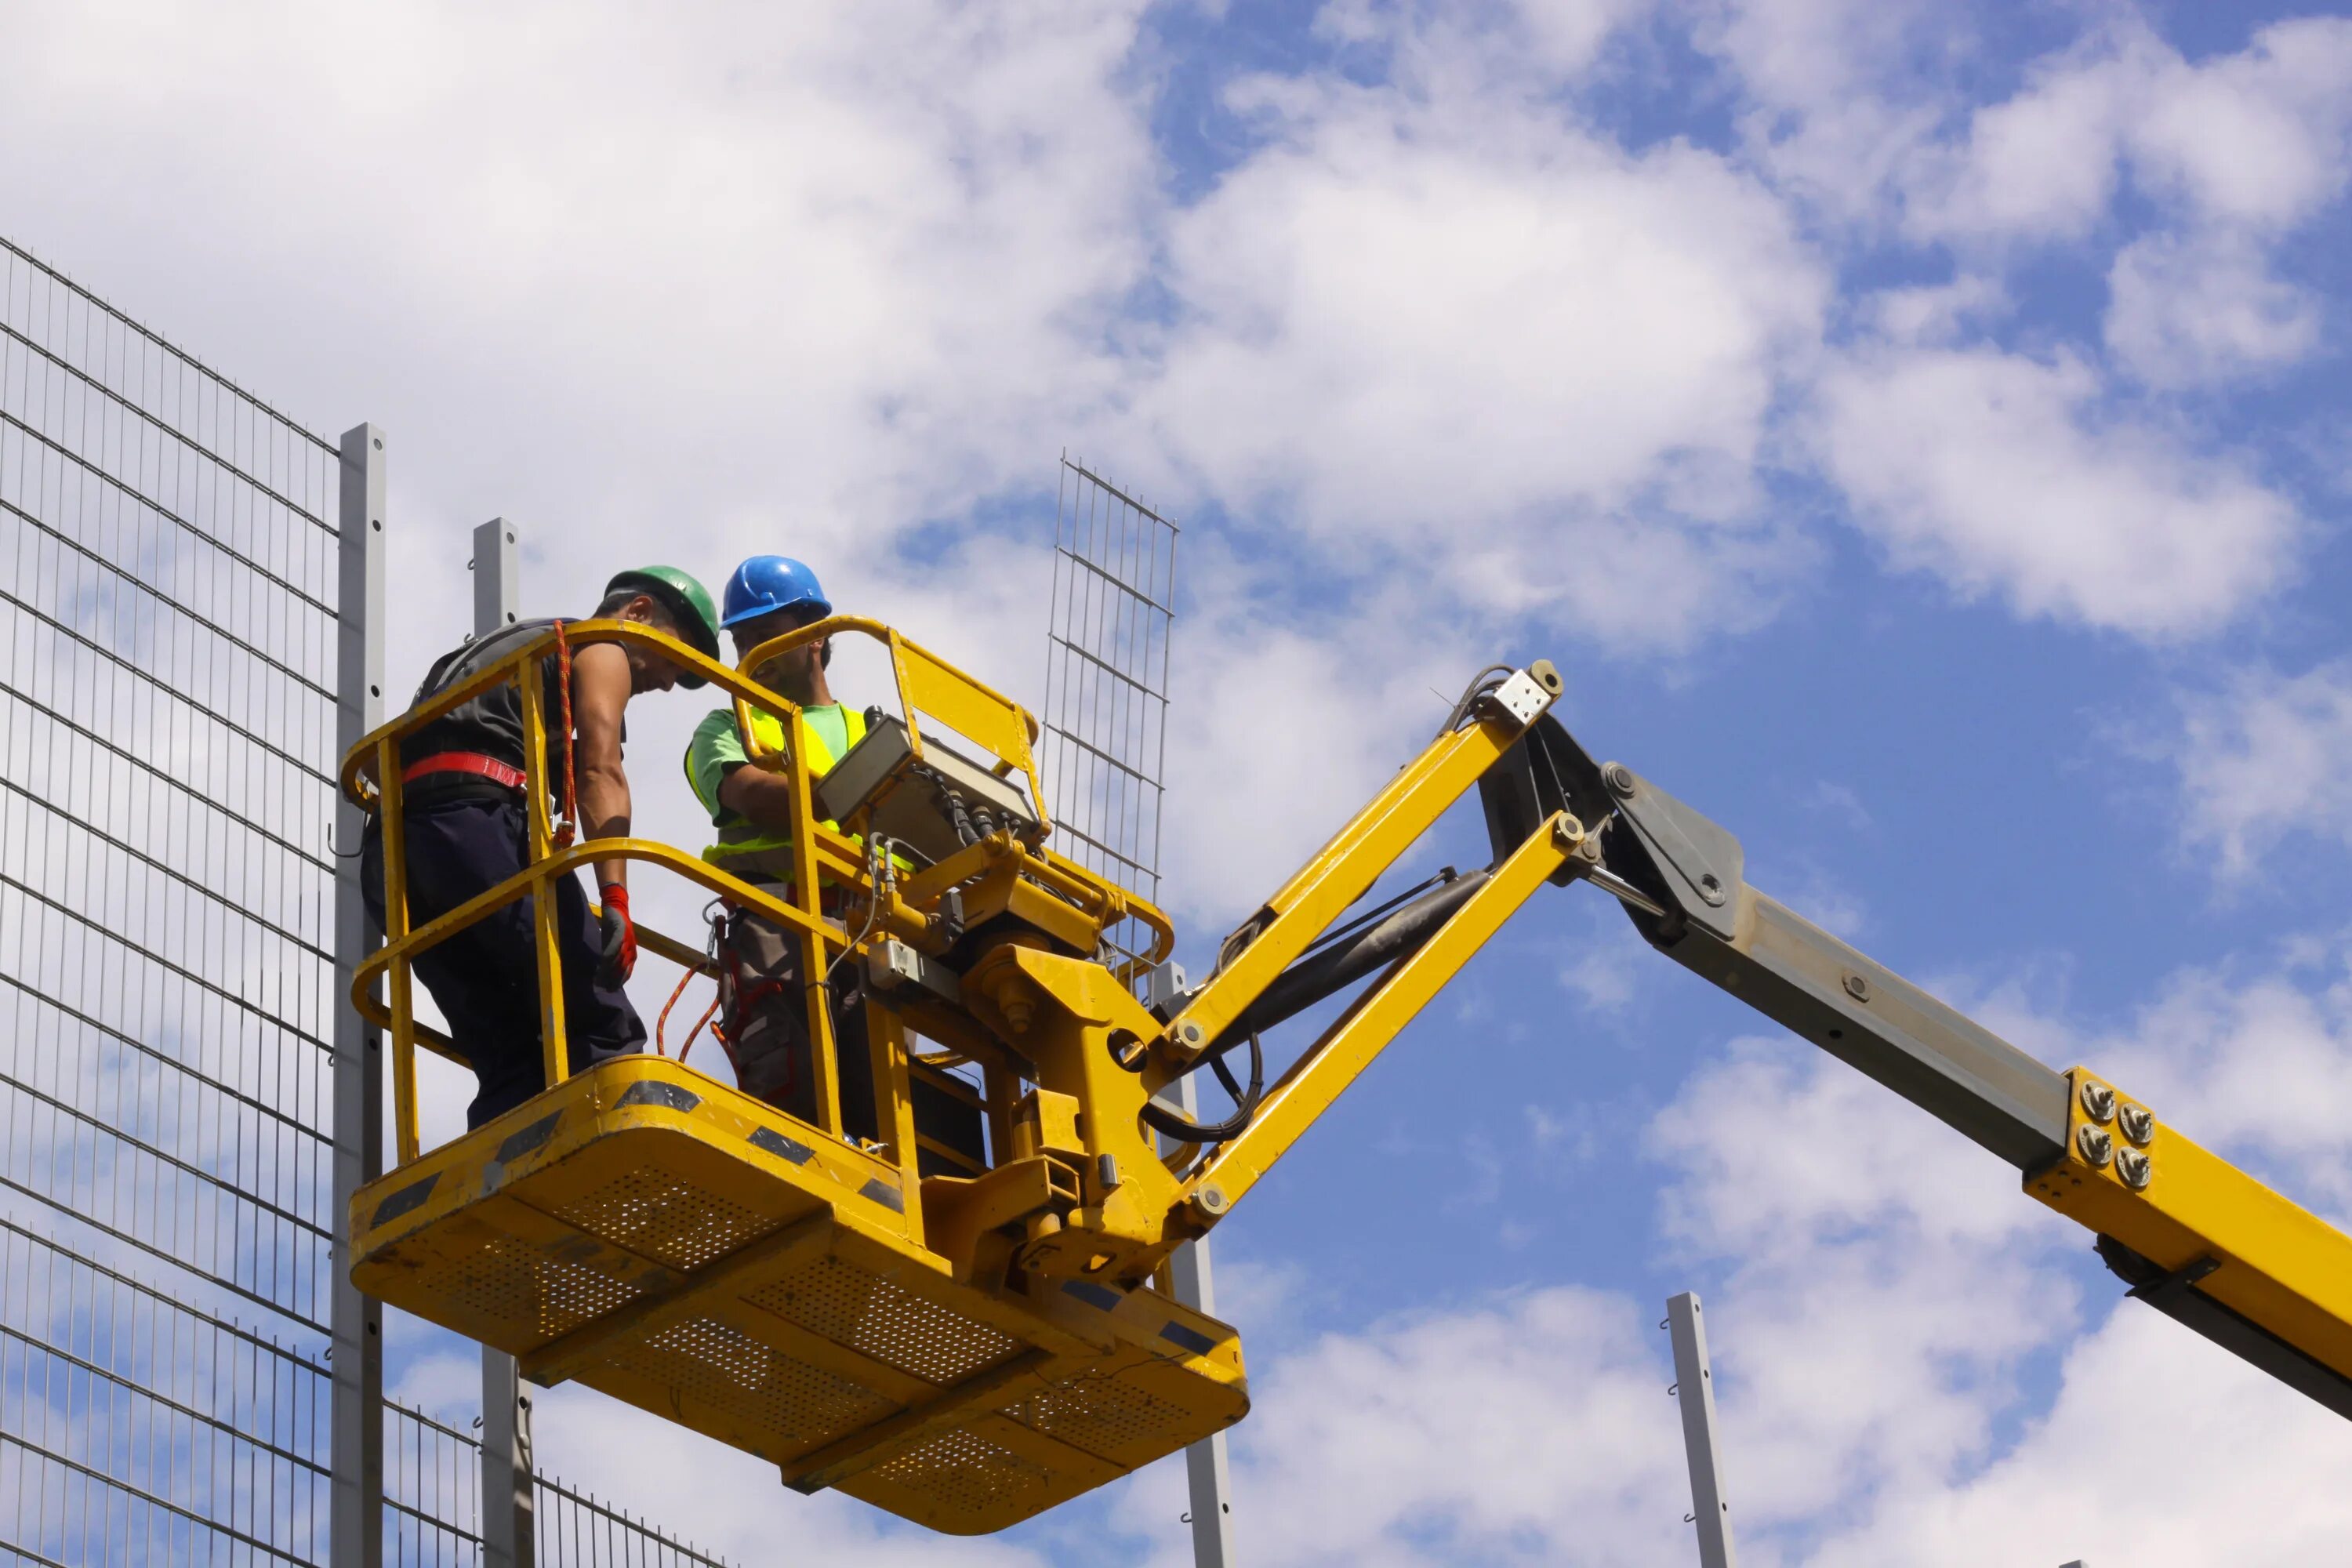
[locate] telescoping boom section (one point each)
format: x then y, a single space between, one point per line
965 1317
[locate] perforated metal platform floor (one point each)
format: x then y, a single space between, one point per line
653 1234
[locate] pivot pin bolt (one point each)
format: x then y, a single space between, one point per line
2098 1101
1620 780
2135 1168
2095 1144
1213 1200
2137 1121
1857 987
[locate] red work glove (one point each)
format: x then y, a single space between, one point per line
619 959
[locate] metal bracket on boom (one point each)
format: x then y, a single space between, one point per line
1697 865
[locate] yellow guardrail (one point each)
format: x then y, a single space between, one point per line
927 685
371 778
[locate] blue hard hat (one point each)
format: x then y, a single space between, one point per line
766 584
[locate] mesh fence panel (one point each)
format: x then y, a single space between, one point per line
168 639
1106 719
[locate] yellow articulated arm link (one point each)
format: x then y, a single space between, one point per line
1307 1091
1356 856
2203 1222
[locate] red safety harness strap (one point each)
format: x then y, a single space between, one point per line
567 824
473 763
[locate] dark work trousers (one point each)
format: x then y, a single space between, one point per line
486 977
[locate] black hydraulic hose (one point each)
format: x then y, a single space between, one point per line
1343 962
1184 1130
1299 987
1480 684
1342 932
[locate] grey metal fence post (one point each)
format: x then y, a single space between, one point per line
1205 1472
1204 1462
1695 1386
510 1538
357 1505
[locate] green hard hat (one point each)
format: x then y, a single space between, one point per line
688 601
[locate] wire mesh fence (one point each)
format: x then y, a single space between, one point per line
1106 721
168 645
164 585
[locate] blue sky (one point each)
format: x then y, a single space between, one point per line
1918 431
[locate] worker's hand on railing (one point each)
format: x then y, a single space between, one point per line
619 959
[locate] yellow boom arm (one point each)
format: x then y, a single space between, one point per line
2193 1234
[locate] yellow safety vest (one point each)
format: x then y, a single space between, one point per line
745 848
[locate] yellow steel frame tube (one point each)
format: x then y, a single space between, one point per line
397 956
894 1103
1308 1089
1338 875
402 1019
927 684
555 1057
816 968
2276 1264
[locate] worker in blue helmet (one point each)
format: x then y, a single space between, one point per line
760 1000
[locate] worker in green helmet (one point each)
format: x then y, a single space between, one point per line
466 828
763 1012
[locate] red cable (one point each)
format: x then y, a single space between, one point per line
663 1022
707 1013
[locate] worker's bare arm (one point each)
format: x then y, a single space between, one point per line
599 696
758 796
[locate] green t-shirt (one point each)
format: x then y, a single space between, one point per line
717 750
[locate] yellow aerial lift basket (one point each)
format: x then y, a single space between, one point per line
652 1233
852 1310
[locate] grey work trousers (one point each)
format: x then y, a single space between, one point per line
765 1011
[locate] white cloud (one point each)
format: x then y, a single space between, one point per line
2003 475
2204 312
1549 38
1511 1433
2153 1453
1322 709
1394 329
1934 315
2257 1067
2266 757
1608 961
2028 475
2044 162
704 279
1883 1283
1390 345
1601 979
2256 138
1816 107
